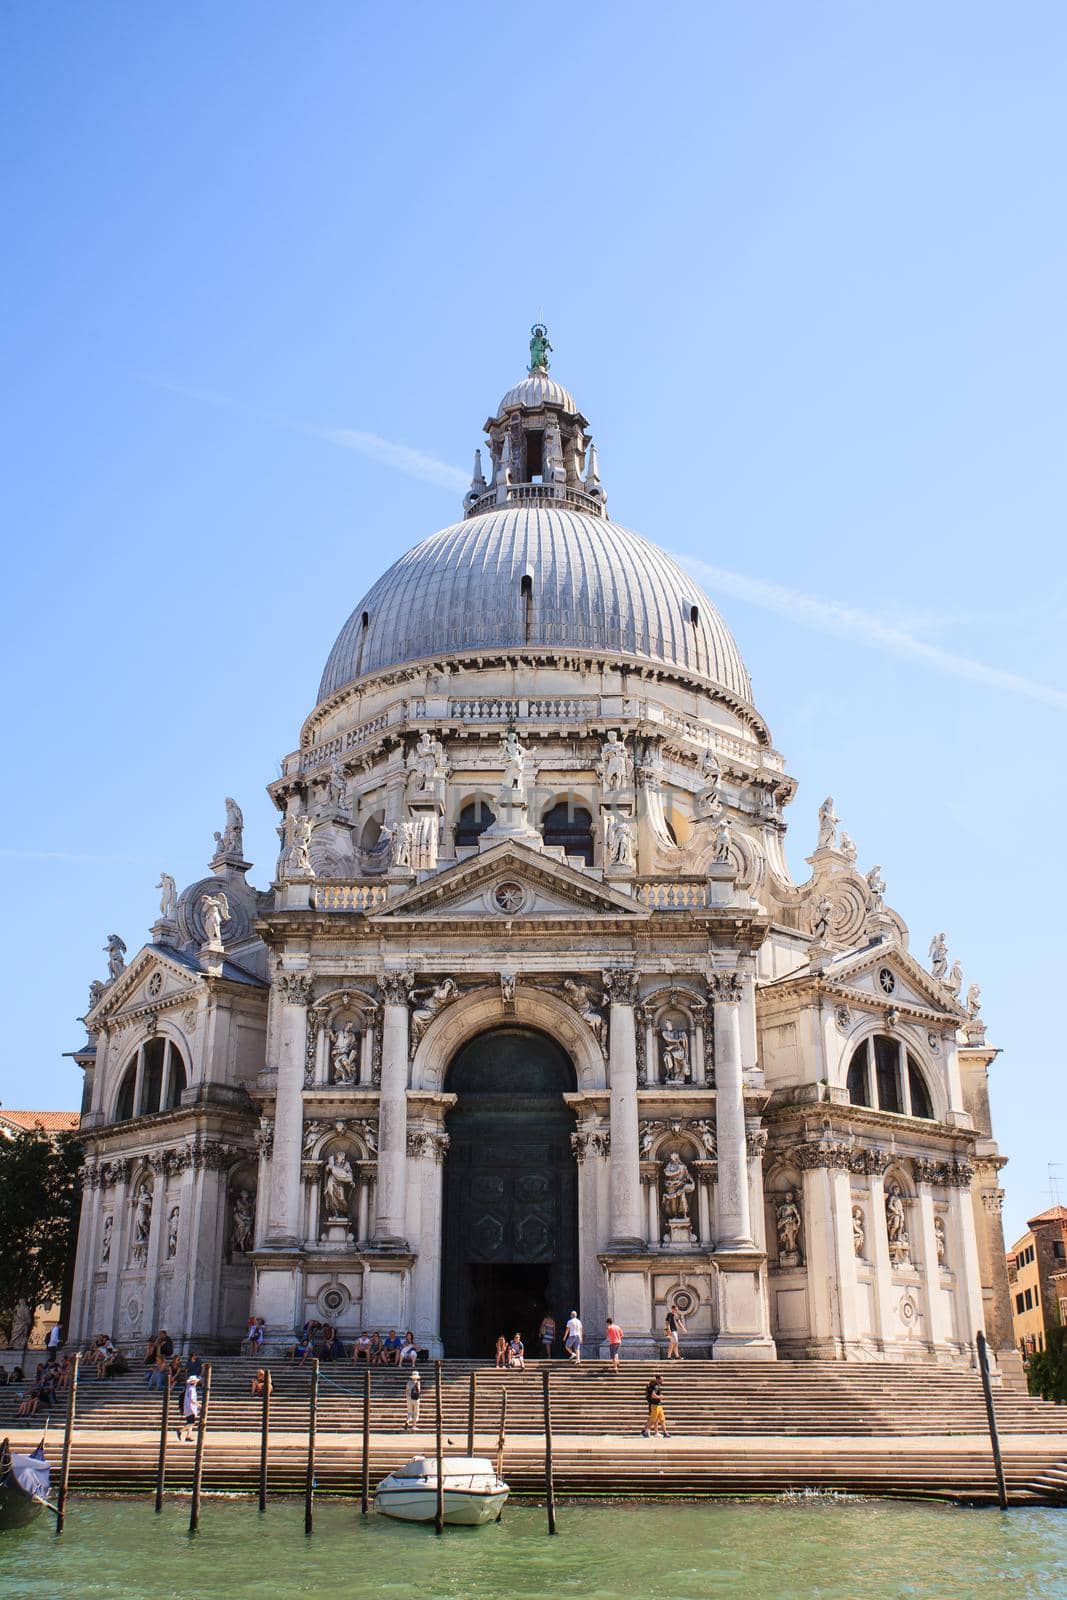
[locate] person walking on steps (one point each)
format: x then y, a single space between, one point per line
675 1326
614 1338
413 1394
657 1422
573 1338
190 1409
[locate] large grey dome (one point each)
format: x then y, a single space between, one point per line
592 586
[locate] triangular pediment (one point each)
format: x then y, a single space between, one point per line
155 977
864 978
514 881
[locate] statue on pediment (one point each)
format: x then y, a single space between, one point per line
939 955
216 911
828 820
168 899
115 949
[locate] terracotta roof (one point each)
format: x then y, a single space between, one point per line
1053 1214
48 1121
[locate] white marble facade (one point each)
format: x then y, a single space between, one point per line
535 794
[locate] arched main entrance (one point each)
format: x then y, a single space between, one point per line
510 1243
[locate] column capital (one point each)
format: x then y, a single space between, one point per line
725 987
621 985
396 987
294 987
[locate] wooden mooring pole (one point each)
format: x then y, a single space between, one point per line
264 1437
161 1463
309 1480
987 1389
471 1402
68 1438
550 1490
439 1515
198 1464
364 1491
502 1435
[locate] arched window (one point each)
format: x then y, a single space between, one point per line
473 821
153 1080
570 826
885 1075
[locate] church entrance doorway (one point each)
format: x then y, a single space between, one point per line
510 1243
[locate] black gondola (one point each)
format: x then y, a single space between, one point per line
24 1484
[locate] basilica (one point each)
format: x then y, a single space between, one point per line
532 1015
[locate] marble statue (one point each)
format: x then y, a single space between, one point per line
940 1242
216 910
539 348
678 1185
675 1054
552 468
337 785
513 757
848 848
233 837
426 763
646 1140
613 762
168 899
723 843
337 1187
243 1222
858 1230
96 991
828 820
709 800
115 950
787 1221
105 1240
172 1232
938 955
876 886
579 997
621 841
344 1054
142 1223
824 916
896 1226
974 1001
434 1000
300 849
507 988
953 980
400 837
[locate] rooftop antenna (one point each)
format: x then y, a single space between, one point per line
1053 1182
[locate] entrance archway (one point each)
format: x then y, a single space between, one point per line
510 1241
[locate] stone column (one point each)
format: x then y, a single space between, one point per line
294 991
756 1144
393 1112
735 1222
878 1244
746 969
971 1309
833 1284
650 1184
627 1223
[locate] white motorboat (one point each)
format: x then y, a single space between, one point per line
473 1492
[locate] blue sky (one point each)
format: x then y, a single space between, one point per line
268 267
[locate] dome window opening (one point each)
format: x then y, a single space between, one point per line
526 595
474 818
535 456
694 616
364 624
570 827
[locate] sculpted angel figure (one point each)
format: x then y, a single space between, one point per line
244 1216
876 884
434 1000
974 1001
168 899
938 955
787 1219
828 820
953 980
578 995
723 842
96 990
678 1185
337 1186
216 910
344 1054
675 1053
824 916
848 847
116 955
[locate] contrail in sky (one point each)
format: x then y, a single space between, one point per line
830 616
403 457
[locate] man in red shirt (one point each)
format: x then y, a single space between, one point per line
614 1343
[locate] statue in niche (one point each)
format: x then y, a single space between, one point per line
105 1241
646 1140
787 1221
859 1230
337 785
115 949
723 843
876 887
678 1185
243 1223
344 1054
674 1054
940 1242
974 1001
400 838
426 763
848 848
513 759
172 1232
434 1001
953 980
621 841
168 899
828 820
824 916
896 1224
337 1187
938 955
216 911
142 1223
614 763
579 997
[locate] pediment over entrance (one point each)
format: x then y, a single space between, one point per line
512 881
890 976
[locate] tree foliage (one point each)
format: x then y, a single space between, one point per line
1046 1370
39 1195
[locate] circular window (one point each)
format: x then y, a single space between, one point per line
155 983
334 1300
887 981
508 896
682 1300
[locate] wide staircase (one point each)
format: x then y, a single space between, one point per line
737 1428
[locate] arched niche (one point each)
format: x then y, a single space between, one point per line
241 1195
673 1038
783 1191
343 1041
478 1010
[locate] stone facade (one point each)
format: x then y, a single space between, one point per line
535 796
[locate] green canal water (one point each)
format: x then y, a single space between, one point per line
833 1550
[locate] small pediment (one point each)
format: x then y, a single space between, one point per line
888 976
155 977
512 881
